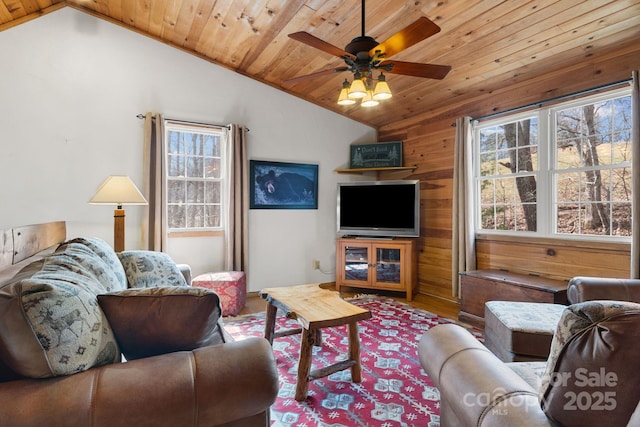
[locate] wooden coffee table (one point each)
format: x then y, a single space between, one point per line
314 308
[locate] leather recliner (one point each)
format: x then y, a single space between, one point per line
593 356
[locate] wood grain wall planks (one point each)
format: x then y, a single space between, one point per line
429 139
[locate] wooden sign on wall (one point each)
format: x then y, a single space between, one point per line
381 154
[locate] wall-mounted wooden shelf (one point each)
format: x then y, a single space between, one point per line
387 169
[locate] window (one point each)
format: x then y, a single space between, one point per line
559 171
195 175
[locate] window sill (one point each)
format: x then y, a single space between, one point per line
180 234
569 242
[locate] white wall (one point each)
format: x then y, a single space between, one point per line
71 86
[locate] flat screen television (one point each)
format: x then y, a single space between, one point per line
379 208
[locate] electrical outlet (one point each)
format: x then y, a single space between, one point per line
316 264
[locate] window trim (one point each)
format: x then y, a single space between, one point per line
203 128
546 173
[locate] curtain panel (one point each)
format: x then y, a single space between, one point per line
154 182
635 170
236 244
463 257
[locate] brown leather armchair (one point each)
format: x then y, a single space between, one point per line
590 378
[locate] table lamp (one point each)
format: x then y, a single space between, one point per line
118 190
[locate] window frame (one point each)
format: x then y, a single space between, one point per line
547 173
198 128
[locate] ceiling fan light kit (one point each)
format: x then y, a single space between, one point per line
382 90
344 99
368 100
363 55
357 89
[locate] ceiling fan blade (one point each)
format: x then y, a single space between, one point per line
313 41
429 71
414 33
314 75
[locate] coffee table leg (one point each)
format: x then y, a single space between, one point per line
304 363
318 339
270 322
354 352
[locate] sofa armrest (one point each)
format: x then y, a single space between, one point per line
581 289
475 386
209 386
185 269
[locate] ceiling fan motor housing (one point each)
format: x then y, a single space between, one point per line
360 46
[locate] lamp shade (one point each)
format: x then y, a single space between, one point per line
118 190
357 89
368 100
343 98
382 90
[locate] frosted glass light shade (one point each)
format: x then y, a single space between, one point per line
368 100
357 89
118 190
344 99
382 91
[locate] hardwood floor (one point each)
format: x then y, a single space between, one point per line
435 305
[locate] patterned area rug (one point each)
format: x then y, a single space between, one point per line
394 391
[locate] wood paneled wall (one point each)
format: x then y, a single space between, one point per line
429 144
554 258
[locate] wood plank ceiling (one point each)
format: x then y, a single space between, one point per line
489 44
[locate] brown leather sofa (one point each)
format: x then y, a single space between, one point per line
590 378
201 378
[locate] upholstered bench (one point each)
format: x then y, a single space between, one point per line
520 331
231 287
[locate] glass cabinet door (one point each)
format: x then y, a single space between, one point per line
356 263
388 265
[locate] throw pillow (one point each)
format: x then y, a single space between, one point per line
51 324
152 321
588 375
150 269
98 258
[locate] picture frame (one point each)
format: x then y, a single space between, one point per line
281 185
376 155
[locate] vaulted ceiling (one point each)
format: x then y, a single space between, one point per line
489 44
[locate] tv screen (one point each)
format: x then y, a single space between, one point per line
379 208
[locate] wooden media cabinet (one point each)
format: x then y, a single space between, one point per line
386 264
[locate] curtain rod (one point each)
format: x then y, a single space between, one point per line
141 116
550 100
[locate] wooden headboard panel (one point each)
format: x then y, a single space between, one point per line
18 244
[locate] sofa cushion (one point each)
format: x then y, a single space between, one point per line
590 372
153 321
94 256
150 269
51 324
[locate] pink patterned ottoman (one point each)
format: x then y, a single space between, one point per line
231 287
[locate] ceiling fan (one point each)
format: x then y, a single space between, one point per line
364 54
